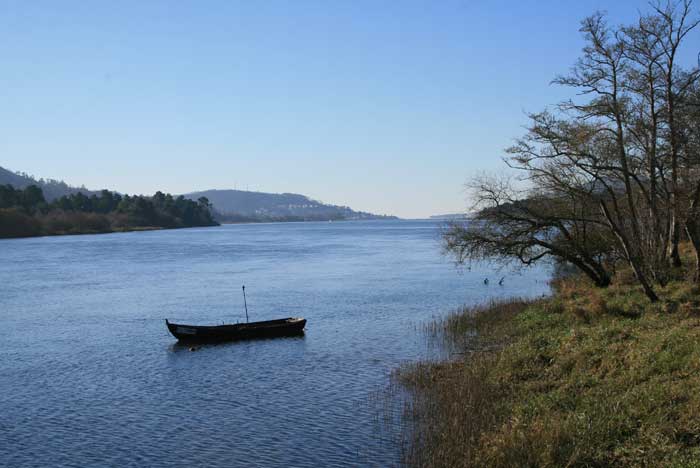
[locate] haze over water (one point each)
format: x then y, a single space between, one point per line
89 375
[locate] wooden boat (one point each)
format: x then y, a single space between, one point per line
241 331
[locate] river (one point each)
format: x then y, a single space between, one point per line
89 375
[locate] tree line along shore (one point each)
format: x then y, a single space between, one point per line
26 213
606 372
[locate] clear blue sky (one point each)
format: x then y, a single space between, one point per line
386 106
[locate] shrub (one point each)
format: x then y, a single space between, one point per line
14 223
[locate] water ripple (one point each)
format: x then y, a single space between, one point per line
89 375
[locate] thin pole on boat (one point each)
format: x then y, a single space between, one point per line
245 304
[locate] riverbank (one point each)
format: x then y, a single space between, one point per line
15 224
26 213
588 377
83 232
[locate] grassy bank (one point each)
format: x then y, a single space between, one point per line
588 377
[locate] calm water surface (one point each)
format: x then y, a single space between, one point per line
89 375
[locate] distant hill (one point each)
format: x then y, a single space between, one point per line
450 217
239 205
229 205
52 189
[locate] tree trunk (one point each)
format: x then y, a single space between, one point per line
630 253
675 240
599 277
694 237
674 235
692 228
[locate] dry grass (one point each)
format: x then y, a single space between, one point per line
587 378
452 404
458 331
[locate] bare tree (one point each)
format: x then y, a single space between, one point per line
530 227
610 165
690 141
590 140
668 27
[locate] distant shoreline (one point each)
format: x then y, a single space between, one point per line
87 232
158 228
280 221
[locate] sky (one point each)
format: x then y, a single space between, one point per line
384 106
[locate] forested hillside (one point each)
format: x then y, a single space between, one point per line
52 189
26 212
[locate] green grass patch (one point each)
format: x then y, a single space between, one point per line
587 378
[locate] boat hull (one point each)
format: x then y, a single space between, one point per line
240 331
